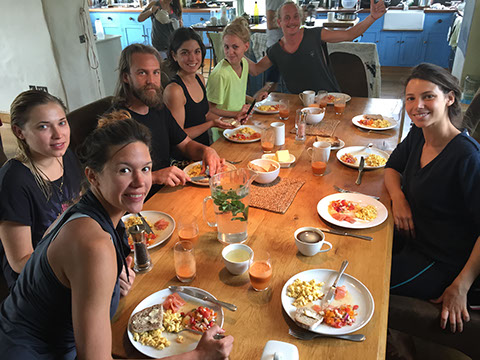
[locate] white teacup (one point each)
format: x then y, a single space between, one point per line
310 240
237 258
307 97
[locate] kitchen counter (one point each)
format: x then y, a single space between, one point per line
138 10
425 9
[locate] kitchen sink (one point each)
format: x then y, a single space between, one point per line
403 20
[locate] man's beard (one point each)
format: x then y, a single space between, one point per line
152 100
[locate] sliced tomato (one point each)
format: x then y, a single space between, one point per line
161 224
173 302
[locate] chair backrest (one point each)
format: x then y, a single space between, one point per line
350 73
83 120
217 46
3 157
471 119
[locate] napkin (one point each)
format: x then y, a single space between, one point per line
326 127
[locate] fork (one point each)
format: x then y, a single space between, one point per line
304 335
375 132
233 162
354 192
216 337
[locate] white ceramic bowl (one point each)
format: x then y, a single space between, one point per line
265 177
315 115
348 4
237 267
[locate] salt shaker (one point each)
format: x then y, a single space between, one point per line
301 126
142 261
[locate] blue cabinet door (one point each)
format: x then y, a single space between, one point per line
370 37
437 50
411 49
390 48
134 30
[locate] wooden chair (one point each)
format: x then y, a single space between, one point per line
217 46
3 157
422 319
83 120
350 73
471 119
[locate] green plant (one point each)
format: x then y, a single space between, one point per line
231 201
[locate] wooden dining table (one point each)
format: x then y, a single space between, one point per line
260 316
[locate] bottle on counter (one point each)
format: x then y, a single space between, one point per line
256 17
99 30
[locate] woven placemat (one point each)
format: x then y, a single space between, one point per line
276 196
324 128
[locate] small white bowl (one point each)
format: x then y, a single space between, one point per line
237 267
315 115
265 177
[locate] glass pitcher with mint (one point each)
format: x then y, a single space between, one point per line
230 195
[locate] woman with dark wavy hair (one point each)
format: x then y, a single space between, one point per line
186 96
433 179
40 182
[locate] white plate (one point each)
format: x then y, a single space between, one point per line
153 217
266 102
229 132
342 144
359 151
191 340
364 200
357 118
339 95
359 292
228 167
282 164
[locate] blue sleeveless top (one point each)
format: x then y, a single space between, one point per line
36 318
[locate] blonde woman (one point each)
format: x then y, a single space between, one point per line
227 84
40 183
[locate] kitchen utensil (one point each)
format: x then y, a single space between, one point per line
147 227
216 337
199 178
344 233
306 335
328 297
353 192
199 295
233 162
360 171
251 107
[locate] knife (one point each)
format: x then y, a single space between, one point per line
198 295
251 107
328 297
360 171
338 232
199 178
147 227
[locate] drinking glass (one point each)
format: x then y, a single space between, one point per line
339 106
268 140
320 153
184 257
188 229
322 99
283 109
260 271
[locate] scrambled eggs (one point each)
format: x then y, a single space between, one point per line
195 170
268 107
368 212
305 292
378 123
172 322
375 160
152 338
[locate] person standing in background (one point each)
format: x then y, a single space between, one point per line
166 18
274 34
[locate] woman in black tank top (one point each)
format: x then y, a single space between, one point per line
185 96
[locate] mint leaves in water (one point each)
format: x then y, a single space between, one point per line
231 201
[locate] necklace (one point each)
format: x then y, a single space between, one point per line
60 188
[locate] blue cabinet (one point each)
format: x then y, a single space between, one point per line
372 35
400 48
111 23
136 32
435 41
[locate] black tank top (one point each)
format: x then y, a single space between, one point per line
195 112
36 318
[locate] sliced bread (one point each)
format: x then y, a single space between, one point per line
148 319
307 318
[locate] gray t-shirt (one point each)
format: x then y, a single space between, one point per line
275 34
161 32
306 68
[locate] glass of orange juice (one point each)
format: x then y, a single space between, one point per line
283 109
260 271
188 229
184 258
320 153
268 139
339 106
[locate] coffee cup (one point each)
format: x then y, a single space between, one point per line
310 240
279 129
307 97
237 258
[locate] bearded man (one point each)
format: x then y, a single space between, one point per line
139 91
